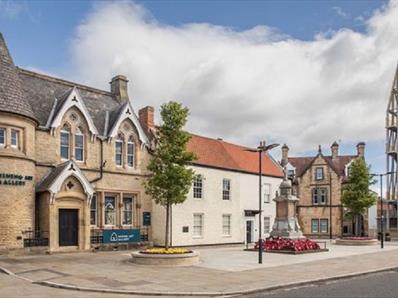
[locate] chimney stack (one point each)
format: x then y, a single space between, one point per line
335 149
285 155
146 116
119 88
361 149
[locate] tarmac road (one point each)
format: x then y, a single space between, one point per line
378 285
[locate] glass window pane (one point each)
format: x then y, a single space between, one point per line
197 187
118 152
14 137
79 147
64 145
226 224
110 210
267 224
93 211
314 226
267 192
2 136
197 224
127 211
324 225
226 192
130 154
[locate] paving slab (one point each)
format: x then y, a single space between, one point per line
225 269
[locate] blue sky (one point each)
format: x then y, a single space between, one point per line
42 35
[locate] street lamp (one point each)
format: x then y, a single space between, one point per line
261 149
381 207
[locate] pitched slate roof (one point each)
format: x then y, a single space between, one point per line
41 91
12 97
337 164
219 154
47 180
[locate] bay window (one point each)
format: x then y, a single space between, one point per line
2 136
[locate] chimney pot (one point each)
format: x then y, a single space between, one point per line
335 150
361 149
146 116
119 88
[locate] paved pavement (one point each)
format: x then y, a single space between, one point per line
380 285
226 270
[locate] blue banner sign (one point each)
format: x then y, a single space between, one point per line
121 236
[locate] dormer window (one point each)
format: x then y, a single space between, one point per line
79 145
65 141
119 150
130 152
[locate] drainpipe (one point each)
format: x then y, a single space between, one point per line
102 162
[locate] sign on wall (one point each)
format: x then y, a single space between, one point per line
146 218
121 236
14 179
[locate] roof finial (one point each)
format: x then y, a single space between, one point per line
319 149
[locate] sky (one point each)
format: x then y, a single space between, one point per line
298 72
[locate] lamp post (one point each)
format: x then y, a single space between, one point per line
381 207
261 149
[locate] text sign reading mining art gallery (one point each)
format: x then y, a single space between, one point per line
14 179
121 236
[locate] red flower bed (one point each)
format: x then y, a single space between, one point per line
357 238
289 244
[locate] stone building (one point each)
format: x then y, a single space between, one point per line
317 181
72 160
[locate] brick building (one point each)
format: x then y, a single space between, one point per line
72 159
317 182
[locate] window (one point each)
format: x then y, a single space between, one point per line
198 187
119 151
198 225
130 152
65 142
226 224
290 173
324 225
314 226
79 145
128 211
318 173
319 196
14 138
267 192
93 211
2 137
226 189
267 224
110 210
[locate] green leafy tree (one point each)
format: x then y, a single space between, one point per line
357 196
171 179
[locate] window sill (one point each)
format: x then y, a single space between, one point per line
197 237
226 236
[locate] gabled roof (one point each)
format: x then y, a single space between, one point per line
120 114
71 98
53 181
223 155
12 97
337 164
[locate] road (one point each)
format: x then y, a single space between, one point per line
378 285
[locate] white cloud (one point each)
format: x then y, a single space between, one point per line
340 12
247 85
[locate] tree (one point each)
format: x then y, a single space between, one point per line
171 179
357 196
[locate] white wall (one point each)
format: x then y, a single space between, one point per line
244 196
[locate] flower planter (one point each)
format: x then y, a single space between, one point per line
183 259
359 241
